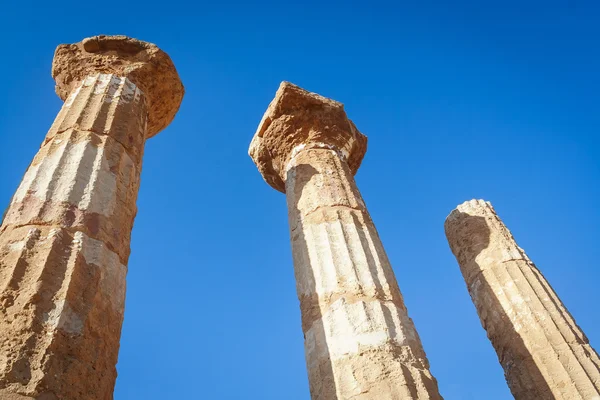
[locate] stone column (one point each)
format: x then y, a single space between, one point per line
544 354
360 343
64 240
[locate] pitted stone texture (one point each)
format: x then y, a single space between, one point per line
297 119
83 180
360 343
359 340
545 355
109 105
148 67
64 246
62 296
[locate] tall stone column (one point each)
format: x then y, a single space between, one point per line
360 343
544 354
64 240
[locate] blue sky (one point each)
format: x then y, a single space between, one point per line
459 100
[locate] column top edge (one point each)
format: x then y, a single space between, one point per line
297 118
474 207
143 63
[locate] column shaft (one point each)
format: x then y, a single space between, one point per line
545 355
359 341
64 246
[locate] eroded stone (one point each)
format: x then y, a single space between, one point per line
143 63
545 355
64 240
359 341
296 119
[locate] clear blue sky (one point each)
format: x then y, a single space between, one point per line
459 100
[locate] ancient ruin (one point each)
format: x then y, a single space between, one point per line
64 240
65 244
359 341
544 354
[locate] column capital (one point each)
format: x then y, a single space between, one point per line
295 120
469 222
143 63
474 227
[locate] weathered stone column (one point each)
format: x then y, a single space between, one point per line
544 354
360 343
64 240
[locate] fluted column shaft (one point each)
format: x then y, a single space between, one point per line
545 355
359 341
64 246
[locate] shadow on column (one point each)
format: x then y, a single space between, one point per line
418 359
524 378
322 381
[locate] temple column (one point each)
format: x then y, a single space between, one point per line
359 341
64 240
543 352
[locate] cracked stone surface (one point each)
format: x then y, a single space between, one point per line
64 240
360 343
545 355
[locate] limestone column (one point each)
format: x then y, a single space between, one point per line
64 240
544 354
360 343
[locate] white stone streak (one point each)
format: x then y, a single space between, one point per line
343 261
356 327
335 261
117 88
76 173
90 95
295 151
348 145
64 318
97 256
113 272
72 97
351 304
100 82
21 245
17 246
129 92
